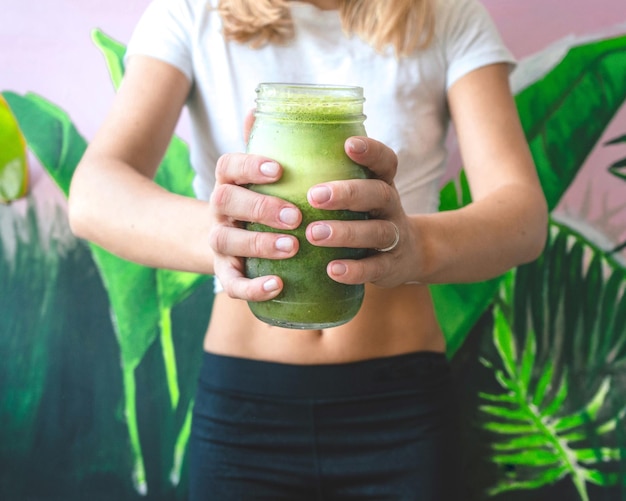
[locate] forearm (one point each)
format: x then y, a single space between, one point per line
128 214
483 239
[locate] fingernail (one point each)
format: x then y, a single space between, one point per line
288 216
320 232
338 269
269 169
357 145
270 285
284 244
320 194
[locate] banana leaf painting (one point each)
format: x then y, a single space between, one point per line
542 348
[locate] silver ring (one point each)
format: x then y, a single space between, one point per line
396 240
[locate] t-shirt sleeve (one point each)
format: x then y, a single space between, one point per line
164 32
471 40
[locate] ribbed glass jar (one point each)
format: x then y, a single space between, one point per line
304 128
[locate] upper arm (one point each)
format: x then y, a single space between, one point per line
491 140
144 114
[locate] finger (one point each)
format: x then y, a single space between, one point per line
242 204
361 195
370 234
375 269
377 157
242 168
230 241
248 122
236 285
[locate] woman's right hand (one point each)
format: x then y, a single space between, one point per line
232 205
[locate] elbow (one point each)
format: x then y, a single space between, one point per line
76 218
538 235
78 209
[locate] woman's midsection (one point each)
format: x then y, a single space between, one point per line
390 322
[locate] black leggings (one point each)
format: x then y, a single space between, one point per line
379 429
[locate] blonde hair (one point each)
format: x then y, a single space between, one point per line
405 25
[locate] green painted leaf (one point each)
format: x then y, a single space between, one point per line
544 385
57 144
509 428
141 298
528 360
50 135
559 398
113 52
618 169
509 398
601 478
507 383
527 441
565 113
600 455
545 478
511 414
574 348
616 140
505 344
536 457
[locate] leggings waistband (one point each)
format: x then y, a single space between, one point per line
411 372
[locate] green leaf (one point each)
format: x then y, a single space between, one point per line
542 427
507 383
141 298
509 428
505 343
527 441
544 384
528 360
50 134
545 478
618 169
558 400
508 398
601 478
536 457
503 412
565 113
616 140
113 52
459 306
600 455
57 144
588 414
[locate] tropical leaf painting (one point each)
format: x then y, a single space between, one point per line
559 331
141 298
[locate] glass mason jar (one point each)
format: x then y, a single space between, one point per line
304 127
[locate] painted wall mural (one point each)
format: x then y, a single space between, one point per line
100 356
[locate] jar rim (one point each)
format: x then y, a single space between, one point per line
286 90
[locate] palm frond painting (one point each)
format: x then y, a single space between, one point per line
559 331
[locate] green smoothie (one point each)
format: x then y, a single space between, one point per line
304 129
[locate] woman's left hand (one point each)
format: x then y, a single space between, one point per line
387 231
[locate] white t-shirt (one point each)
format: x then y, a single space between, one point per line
405 98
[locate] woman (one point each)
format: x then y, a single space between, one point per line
364 410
